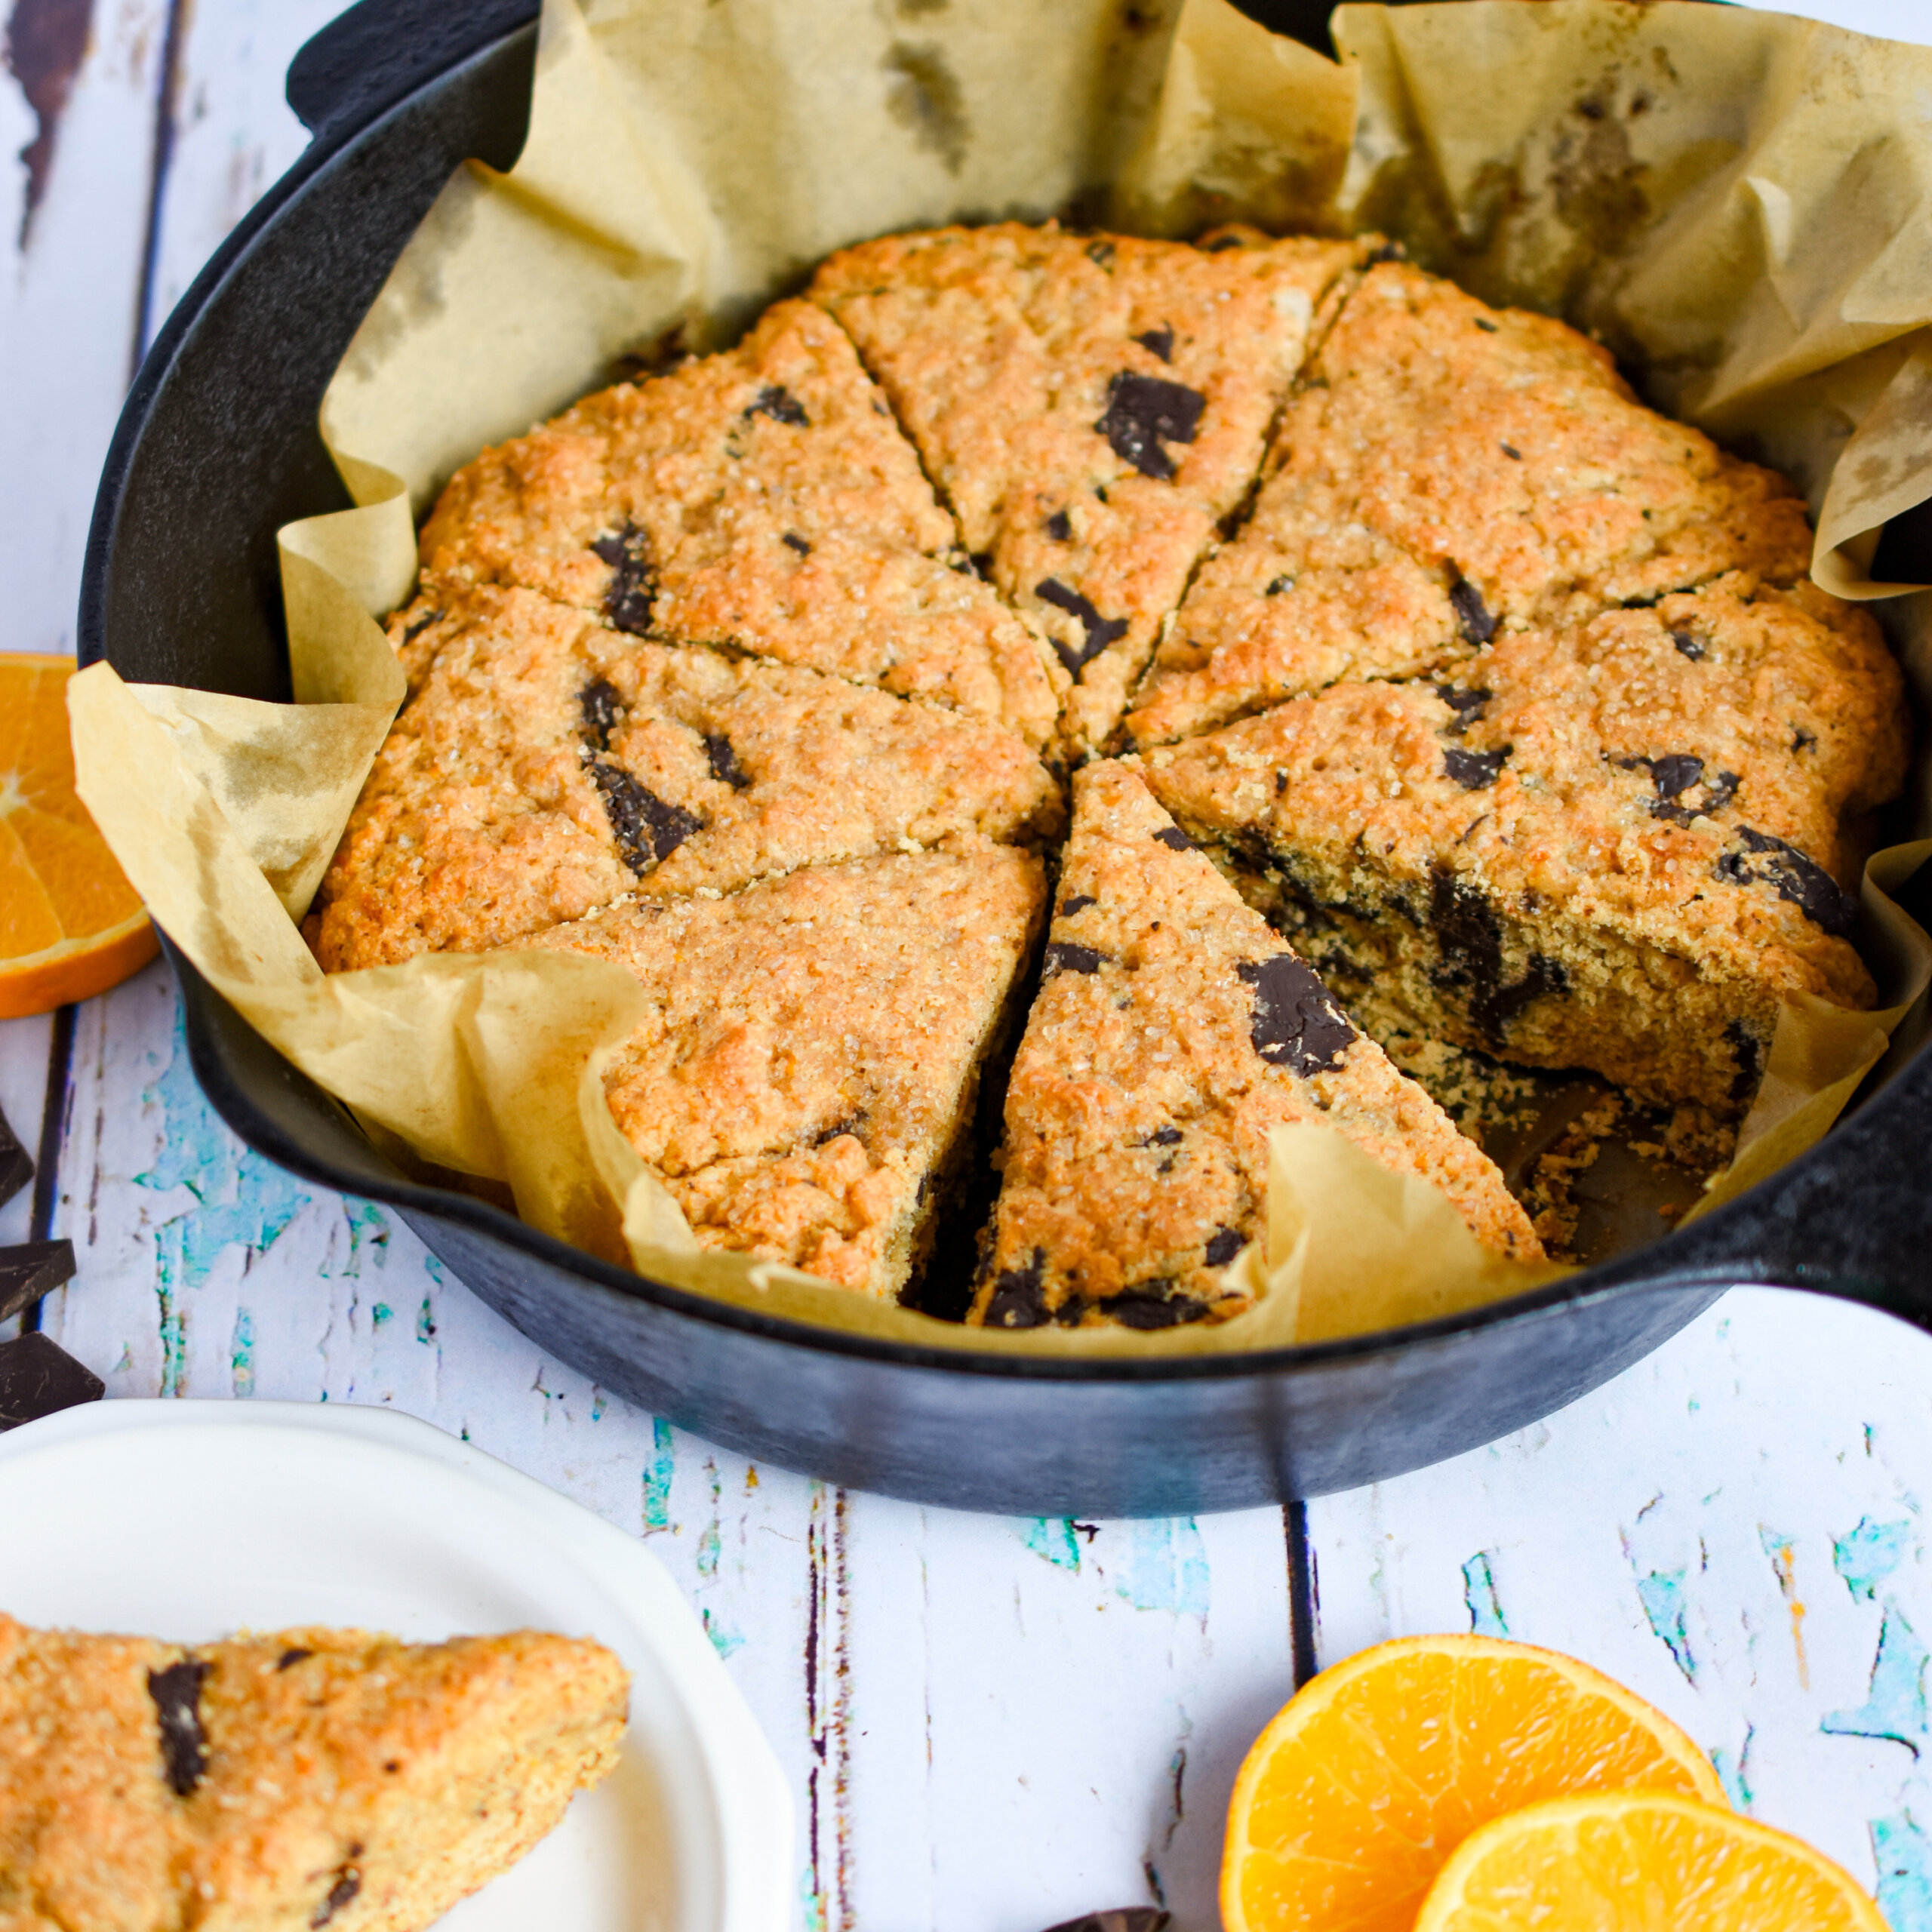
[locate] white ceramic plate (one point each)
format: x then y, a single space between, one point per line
189 1521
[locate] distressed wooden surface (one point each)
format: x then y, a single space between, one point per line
990 1724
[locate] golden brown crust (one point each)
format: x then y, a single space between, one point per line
1611 846
329 1777
500 803
1004 349
762 498
806 1080
1446 468
1172 1031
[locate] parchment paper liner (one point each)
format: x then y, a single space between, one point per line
1736 202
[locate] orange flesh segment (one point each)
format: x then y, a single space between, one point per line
70 924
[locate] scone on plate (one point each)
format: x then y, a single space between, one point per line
1173 1029
307 1779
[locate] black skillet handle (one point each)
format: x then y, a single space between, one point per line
1852 1218
369 58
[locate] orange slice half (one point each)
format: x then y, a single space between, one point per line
1641 1861
1352 1800
70 924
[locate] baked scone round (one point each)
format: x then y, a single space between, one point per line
1410 675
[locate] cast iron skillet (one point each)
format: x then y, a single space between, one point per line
218 446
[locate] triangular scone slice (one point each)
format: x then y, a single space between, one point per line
1447 469
805 1085
1172 1030
1091 406
312 1778
1617 845
762 498
545 765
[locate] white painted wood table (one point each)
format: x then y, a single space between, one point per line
990 1724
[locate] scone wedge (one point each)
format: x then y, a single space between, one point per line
1174 1028
1089 405
308 1779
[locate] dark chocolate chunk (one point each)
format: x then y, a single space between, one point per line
1486 325
602 711
1100 631
415 629
1389 251
30 1270
781 404
1018 1299
1101 253
1077 902
1802 740
1687 646
1142 413
1474 771
1796 876
982 561
1296 1023
290 1657
1512 453
1472 616
1154 1305
1060 527
1750 1052
1276 585
1174 839
1675 772
176 1692
1163 1136
1280 782
38 1377
16 1163
1159 342
1678 773
1467 705
1223 1244
1062 957
793 541
1220 244
348 1883
724 761
1069 1311
649 829
1470 937
627 602
853 1124
1123 1918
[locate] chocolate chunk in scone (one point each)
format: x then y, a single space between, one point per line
1172 1030
1657 850
763 499
544 766
148 1785
1445 471
805 1086
1090 411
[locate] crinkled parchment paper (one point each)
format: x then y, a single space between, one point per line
1736 201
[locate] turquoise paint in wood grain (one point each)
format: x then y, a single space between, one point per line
1903 1856
658 1474
1895 1709
1870 1554
1734 1771
241 1354
1661 1593
426 1320
725 1639
1052 1538
1486 1617
1167 1566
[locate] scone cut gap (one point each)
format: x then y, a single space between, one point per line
955 494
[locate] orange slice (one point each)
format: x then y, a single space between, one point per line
1352 1799
70 924
1641 1861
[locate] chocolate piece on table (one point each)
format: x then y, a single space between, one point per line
38 1377
16 1163
31 1269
